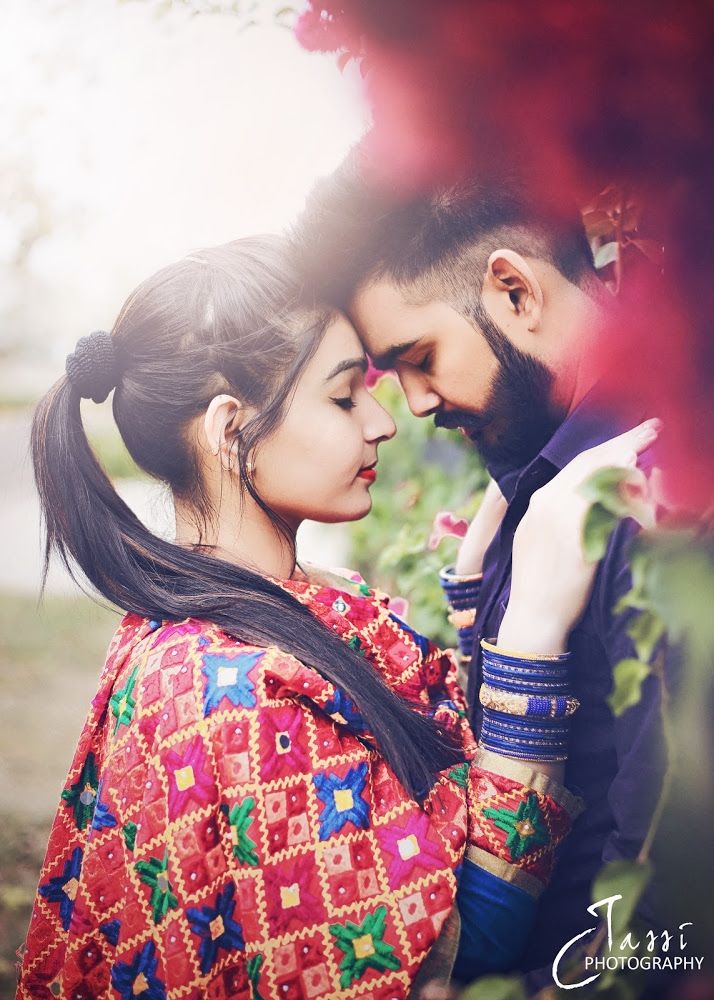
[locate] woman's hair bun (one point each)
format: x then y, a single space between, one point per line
94 367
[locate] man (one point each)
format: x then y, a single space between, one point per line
491 313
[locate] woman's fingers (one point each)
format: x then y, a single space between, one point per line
622 450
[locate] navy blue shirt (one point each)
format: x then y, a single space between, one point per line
615 764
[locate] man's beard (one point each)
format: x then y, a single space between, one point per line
519 416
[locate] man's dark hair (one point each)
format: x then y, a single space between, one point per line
355 230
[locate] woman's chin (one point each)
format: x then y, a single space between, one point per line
342 513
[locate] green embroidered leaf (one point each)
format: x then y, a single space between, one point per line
82 795
598 525
645 630
628 676
255 963
129 833
494 988
239 819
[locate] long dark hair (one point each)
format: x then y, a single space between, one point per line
228 320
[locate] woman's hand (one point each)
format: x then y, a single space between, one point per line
481 531
551 580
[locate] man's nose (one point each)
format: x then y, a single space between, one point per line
421 398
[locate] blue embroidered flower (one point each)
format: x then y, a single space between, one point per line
343 710
139 978
111 930
103 819
420 641
62 888
343 800
227 677
216 927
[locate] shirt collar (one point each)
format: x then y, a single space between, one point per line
595 419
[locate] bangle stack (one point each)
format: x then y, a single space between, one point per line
526 704
462 592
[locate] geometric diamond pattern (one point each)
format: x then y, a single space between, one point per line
227 828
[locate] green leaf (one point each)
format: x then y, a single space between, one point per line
494 988
628 676
627 879
645 630
609 487
598 525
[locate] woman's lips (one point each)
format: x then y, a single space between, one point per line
369 474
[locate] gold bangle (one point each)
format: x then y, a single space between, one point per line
513 703
462 619
489 646
447 574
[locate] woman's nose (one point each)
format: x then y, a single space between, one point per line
380 426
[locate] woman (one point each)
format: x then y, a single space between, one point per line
276 793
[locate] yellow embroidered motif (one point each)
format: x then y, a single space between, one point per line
363 946
290 895
216 927
184 778
343 799
408 847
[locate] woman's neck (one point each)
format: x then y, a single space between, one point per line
244 536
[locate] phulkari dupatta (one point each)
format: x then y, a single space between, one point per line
228 829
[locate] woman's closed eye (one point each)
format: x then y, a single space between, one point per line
344 402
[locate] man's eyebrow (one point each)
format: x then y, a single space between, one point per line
345 365
387 360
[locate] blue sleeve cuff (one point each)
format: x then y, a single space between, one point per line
496 919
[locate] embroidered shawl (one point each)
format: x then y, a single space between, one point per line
228 830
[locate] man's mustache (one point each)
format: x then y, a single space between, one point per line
472 423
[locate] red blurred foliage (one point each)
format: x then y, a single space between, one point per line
586 94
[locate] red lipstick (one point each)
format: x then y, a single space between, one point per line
369 473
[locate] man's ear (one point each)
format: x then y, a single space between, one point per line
511 285
221 424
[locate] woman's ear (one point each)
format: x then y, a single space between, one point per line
221 424
512 287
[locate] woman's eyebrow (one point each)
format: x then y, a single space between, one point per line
345 365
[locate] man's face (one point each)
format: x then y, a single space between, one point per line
466 373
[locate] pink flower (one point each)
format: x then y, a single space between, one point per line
446 524
374 376
399 605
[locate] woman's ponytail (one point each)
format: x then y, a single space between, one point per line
91 529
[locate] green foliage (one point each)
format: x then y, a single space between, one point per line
628 676
621 878
495 988
422 471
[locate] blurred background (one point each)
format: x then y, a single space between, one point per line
130 134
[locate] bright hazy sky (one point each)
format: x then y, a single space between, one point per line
143 135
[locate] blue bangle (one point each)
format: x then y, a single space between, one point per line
538 726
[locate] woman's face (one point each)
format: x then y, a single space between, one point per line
321 461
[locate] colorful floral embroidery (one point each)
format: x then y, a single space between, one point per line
190 782
227 678
123 703
138 978
63 888
342 798
246 834
216 927
82 795
239 819
154 873
364 947
524 826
